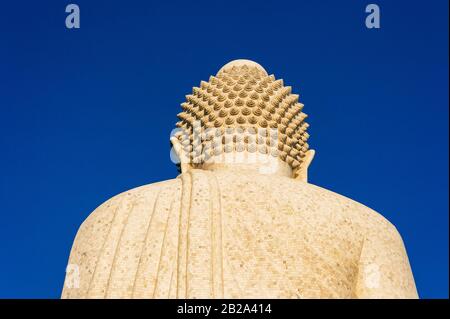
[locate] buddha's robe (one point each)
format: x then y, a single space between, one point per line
231 234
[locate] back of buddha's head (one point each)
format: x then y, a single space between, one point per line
242 109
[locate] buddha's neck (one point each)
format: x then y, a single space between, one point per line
259 164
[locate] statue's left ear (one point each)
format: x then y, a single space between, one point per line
302 173
184 160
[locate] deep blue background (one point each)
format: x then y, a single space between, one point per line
86 114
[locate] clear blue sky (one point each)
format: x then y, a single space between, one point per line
86 114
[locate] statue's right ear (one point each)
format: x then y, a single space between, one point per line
302 173
185 164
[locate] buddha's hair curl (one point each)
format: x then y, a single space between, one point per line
243 98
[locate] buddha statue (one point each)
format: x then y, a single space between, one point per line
241 219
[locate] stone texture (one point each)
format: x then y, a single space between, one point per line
230 229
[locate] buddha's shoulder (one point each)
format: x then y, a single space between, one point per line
286 192
341 209
134 195
305 197
121 204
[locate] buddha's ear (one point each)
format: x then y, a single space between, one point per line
302 173
185 165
